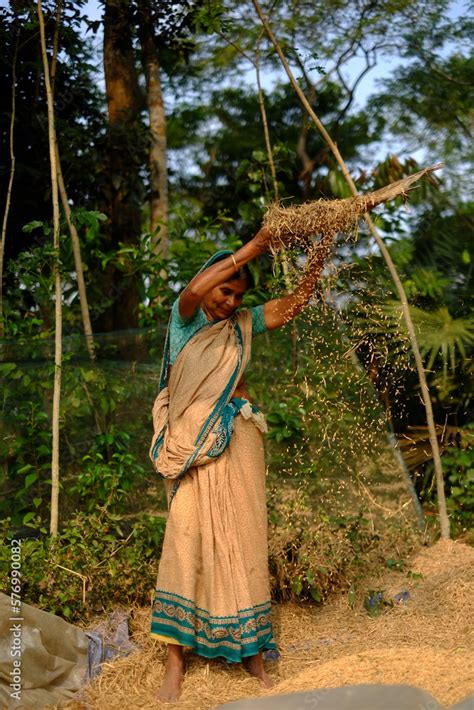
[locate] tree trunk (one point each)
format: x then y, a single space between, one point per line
124 188
156 111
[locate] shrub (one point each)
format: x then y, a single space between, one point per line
314 553
97 562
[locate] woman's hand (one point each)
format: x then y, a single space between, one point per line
262 240
281 310
241 391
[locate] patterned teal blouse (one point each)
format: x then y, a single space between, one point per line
183 330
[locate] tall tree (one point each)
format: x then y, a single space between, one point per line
123 193
157 154
79 124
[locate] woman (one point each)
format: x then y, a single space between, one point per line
213 590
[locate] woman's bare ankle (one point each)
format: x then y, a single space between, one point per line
170 689
175 661
255 667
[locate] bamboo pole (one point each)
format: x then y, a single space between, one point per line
76 245
57 282
76 248
266 131
276 194
442 510
10 182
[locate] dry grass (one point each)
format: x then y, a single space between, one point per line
298 225
426 642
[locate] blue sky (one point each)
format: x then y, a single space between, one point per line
367 86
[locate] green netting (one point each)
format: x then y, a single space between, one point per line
327 438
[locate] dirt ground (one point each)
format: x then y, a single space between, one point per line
426 641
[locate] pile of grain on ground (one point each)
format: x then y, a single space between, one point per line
447 675
426 641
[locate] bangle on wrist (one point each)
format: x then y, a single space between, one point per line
235 263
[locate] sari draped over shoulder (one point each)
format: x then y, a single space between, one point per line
190 412
213 592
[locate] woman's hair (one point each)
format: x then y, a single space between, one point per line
243 273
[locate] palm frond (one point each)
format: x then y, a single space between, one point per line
439 334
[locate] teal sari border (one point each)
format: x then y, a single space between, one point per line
229 637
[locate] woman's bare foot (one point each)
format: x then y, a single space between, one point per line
174 673
255 667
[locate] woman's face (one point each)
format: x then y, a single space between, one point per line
224 299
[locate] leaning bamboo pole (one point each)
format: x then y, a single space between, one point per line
75 242
76 249
276 194
10 182
57 282
442 510
266 130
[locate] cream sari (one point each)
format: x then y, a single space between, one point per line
213 590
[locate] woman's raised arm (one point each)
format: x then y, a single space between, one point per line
220 272
281 310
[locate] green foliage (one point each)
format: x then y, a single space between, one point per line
96 469
458 464
209 18
458 469
314 552
194 239
109 472
425 282
29 304
439 334
395 564
151 272
25 445
98 554
311 554
441 239
80 122
32 278
286 419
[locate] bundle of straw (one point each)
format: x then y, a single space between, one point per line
299 225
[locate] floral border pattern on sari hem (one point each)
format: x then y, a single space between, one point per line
230 637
